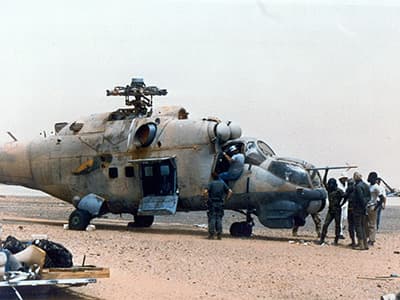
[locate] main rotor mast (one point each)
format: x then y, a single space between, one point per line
142 101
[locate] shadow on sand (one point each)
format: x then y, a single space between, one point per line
44 293
186 229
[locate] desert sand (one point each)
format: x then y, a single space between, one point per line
174 260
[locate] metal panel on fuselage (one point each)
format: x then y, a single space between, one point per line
54 159
189 141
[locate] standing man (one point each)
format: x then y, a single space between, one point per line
335 196
236 164
216 192
361 197
371 211
342 184
381 202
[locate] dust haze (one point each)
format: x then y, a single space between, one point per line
317 80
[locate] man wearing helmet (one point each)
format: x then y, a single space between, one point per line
236 163
336 200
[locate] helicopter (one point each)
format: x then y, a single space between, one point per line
148 161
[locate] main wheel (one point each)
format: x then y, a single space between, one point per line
241 229
247 229
142 221
235 229
79 219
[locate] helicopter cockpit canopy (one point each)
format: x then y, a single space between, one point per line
290 172
255 151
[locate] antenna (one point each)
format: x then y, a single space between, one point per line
143 95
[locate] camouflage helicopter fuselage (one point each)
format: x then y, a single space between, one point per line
124 159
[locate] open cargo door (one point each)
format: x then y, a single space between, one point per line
159 186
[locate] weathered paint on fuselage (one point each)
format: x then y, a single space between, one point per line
53 159
49 164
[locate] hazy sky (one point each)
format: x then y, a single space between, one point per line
317 80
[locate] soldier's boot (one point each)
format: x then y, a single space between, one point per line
365 244
353 242
362 245
294 231
219 237
336 241
210 236
322 240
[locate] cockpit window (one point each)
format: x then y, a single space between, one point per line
265 148
253 154
290 172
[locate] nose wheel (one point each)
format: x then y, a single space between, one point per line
79 219
243 229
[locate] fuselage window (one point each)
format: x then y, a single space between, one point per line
148 171
129 172
164 170
265 148
253 155
113 172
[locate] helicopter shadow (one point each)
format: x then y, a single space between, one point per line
44 293
201 232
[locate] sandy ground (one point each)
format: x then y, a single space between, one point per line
174 260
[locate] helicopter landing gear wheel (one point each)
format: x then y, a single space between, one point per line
79 219
241 229
141 221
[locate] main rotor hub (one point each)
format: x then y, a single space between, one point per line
142 95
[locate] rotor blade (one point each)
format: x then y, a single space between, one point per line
388 186
333 168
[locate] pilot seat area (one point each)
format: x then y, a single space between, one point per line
222 164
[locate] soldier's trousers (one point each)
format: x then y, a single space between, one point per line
360 224
352 227
378 216
215 214
371 223
330 216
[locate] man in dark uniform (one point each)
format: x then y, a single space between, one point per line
216 192
335 196
361 198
